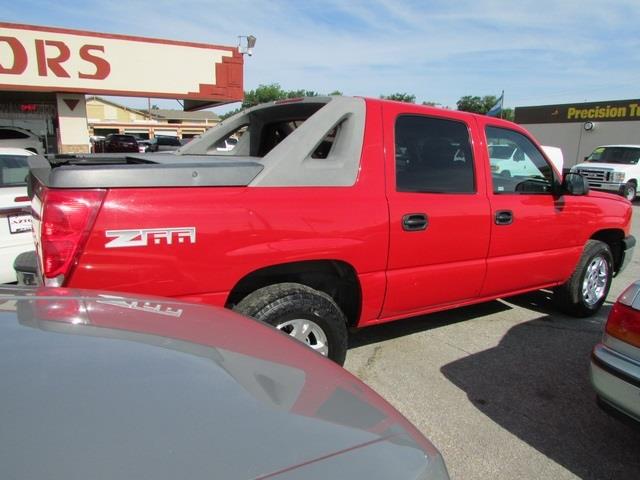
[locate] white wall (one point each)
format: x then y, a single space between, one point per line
73 133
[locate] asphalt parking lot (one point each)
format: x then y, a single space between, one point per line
502 388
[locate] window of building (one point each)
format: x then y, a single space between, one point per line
433 155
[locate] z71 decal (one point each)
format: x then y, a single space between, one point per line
147 236
149 307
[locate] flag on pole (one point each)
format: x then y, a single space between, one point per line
496 110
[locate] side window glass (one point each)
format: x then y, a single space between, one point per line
433 155
517 166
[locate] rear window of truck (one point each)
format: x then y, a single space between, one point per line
433 155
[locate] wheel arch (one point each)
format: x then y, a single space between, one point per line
613 238
336 278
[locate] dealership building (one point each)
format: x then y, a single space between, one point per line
577 128
46 73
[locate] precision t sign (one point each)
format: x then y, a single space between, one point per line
58 60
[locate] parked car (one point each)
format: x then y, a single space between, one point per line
329 214
15 210
615 361
116 143
612 168
164 144
16 137
143 144
100 385
96 143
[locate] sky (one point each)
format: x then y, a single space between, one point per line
539 52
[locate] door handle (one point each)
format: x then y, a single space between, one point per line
414 222
504 217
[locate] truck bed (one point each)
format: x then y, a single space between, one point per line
143 170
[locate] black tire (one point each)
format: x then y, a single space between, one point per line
570 297
285 302
630 190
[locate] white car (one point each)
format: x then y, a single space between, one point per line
16 137
15 216
510 161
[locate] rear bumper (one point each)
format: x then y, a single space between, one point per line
7 256
616 379
26 268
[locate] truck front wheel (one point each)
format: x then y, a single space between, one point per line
587 288
308 315
630 191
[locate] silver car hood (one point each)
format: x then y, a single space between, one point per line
113 387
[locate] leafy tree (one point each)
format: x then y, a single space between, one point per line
269 93
263 94
482 105
335 93
400 97
476 104
508 114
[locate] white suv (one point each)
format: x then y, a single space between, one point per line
17 137
15 210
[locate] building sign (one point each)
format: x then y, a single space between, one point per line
57 60
619 110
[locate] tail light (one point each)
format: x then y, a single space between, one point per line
66 220
624 319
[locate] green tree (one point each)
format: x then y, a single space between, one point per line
475 104
482 105
400 97
269 93
508 114
263 94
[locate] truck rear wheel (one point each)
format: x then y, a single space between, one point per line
308 315
587 288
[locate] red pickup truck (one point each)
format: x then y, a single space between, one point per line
331 213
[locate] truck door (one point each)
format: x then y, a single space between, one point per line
439 211
537 236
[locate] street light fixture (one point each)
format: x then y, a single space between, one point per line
249 43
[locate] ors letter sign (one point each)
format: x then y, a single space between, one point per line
36 58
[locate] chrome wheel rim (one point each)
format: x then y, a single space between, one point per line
308 332
630 194
595 281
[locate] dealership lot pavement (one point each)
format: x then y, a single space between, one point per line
502 388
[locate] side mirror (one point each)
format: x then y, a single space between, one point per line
575 184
